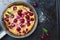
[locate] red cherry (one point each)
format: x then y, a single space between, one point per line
22 15
27 17
12 25
32 19
28 21
22 25
22 20
20 12
15 20
47 34
18 29
24 31
18 17
12 16
31 14
35 4
7 15
6 19
14 8
25 13
28 24
42 37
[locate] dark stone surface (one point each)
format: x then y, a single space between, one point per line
48 7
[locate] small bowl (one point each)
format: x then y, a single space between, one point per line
35 25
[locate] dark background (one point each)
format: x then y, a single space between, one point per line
50 9
59 19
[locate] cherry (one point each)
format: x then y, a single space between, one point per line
18 17
35 4
22 15
6 19
32 19
20 12
31 14
12 25
27 17
25 13
12 16
15 20
28 24
14 8
24 31
28 21
18 29
42 37
7 15
22 20
22 25
47 34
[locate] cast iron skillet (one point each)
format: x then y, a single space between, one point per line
34 27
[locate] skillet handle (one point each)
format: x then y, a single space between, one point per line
2 34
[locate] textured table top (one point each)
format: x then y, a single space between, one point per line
48 7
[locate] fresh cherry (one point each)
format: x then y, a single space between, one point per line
15 20
42 37
27 17
28 24
25 13
47 34
12 16
28 21
22 20
12 25
20 12
35 4
22 25
7 15
14 8
18 29
31 14
6 19
18 17
24 31
32 19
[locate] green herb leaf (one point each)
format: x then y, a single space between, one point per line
8 12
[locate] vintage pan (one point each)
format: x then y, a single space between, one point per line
35 25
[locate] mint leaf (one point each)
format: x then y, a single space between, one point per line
8 12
